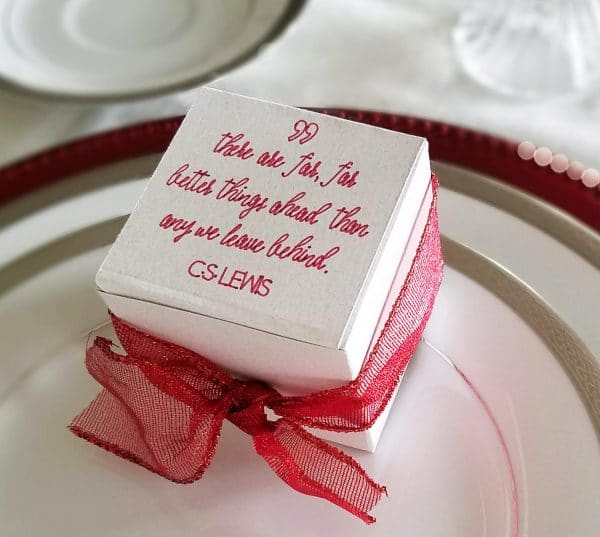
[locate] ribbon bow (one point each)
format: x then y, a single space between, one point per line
163 405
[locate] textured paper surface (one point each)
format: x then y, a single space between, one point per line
178 248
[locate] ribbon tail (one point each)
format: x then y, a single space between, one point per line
136 420
313 467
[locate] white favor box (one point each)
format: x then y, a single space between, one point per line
273 240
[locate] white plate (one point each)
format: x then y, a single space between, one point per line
116 48
494 433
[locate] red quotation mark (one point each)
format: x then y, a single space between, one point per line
303 131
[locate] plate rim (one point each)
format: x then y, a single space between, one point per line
546 217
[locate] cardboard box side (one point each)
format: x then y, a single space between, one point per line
369 439
123 284
244 351
392 263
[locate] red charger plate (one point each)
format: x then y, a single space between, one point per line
484 153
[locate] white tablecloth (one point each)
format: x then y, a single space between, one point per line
393 55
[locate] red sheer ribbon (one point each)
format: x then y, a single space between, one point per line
163 406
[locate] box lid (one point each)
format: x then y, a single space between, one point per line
279 219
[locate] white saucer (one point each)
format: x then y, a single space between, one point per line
494 432
120 48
